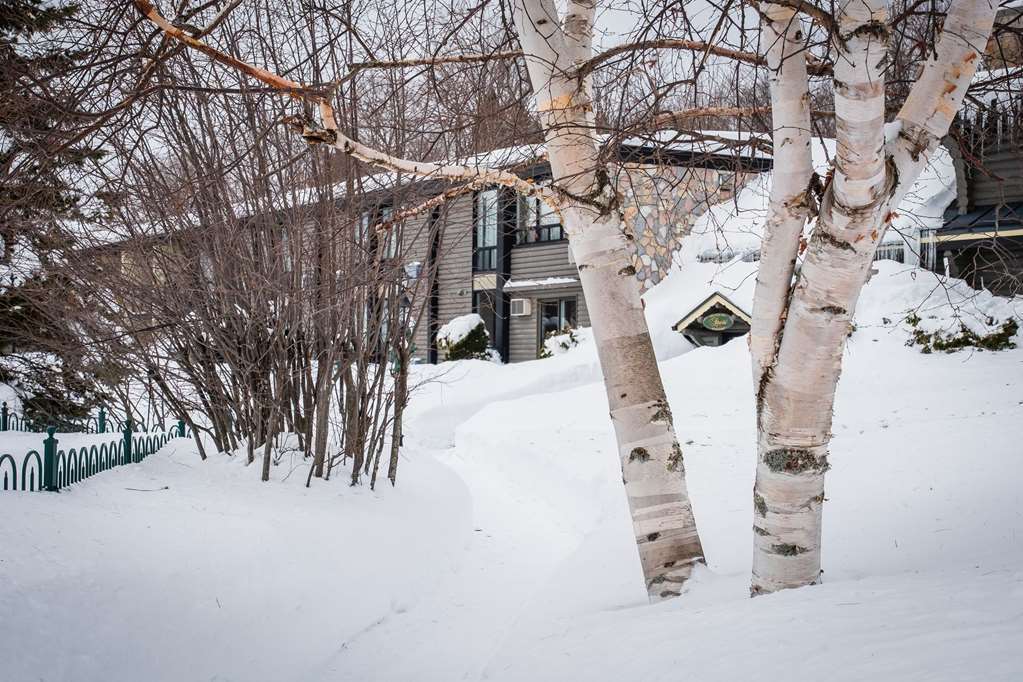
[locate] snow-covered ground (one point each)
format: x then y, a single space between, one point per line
505 552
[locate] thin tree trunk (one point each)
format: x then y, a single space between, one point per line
324 380
400 398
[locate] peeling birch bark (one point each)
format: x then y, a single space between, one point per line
790 200
651 459
797 394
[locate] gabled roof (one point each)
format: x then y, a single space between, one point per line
717 298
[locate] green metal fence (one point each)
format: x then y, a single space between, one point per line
57 468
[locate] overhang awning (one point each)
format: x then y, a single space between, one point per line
513 286
984 222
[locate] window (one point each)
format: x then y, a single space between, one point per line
556 316
373 237
485 233
726 182
387 240
537 222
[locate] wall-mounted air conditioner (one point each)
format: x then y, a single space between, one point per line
520 306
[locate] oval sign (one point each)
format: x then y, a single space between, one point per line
718 322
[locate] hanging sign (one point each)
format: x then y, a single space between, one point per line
718 322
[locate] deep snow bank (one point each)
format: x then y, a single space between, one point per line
505 552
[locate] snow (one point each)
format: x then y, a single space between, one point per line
10 396
505 551
457 329
537 283
736 226
559 344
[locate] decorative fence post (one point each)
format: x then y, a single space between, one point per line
181 428
127 441
3 417
50 461
101 425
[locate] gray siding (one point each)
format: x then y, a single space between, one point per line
454 274
536 261
524 330
1007 165
415 246
533 262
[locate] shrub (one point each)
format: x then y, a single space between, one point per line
464 338
1001 339
557 342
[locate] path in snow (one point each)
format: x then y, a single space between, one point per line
505 552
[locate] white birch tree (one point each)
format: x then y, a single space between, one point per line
800 326
650 455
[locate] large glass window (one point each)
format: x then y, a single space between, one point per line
385 241
537 222
556 316
485 235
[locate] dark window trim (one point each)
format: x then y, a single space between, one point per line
574 298
521 227
484 258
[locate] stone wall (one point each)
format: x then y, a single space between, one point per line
660 206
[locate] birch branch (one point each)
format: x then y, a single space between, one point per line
934 99
815 12
790 202
814 66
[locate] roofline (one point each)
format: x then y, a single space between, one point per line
627 153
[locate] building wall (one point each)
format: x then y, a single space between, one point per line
1005 46
660 205
415 248
1004 180
537 262
454 273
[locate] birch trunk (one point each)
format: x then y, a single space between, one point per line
651 459
790 199
797 389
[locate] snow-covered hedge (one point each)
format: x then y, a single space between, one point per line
464 338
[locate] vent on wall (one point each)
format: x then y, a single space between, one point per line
520 306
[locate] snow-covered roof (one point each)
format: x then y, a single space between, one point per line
738 223
715 299
704 142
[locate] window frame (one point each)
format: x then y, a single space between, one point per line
564 322
484 256
531 215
